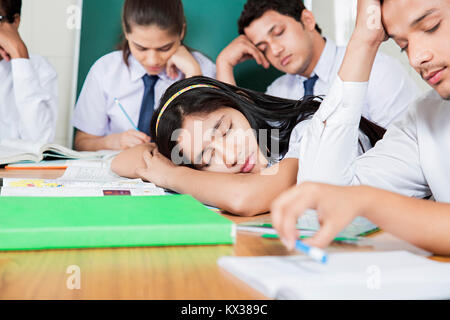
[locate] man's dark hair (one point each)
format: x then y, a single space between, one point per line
255 9
9 9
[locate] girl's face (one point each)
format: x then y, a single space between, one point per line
221 141
152 47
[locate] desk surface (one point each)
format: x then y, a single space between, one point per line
148 273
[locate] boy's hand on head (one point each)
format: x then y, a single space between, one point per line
127 139
184 61
158 168
11 44
239 50
336 208
369 26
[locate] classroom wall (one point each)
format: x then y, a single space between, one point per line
337 20
49 29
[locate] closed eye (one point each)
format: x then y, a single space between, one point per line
434 28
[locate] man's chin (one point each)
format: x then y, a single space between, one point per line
444 93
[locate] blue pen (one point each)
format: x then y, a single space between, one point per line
125 113
312 252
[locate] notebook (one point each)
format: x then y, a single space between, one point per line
51 223
355 275
12 151
309 224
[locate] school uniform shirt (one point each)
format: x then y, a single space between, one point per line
28 104
390 88
295 141
97 114
412 159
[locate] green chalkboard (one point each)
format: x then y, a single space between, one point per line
211 25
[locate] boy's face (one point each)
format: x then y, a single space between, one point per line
286 43
422 30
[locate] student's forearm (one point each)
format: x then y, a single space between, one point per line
93 144
242 194
426 224
226 191
225 73
126 162
358 61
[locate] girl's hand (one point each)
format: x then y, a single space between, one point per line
336 208
126 140
158 169
184 61
11 44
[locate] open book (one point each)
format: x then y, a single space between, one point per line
352 275
12 151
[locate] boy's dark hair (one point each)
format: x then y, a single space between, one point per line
10 8
255 9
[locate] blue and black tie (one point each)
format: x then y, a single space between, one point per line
148 103
309 85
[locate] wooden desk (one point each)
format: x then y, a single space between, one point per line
147 273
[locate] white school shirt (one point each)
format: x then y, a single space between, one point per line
390 91
412 159
96 112
29 102
295 141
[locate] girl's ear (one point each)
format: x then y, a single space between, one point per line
183 32
125 34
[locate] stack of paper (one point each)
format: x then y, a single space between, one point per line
358 275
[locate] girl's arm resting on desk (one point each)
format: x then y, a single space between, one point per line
421 222
241 194
116 141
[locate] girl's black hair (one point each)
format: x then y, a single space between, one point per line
166 14
262 112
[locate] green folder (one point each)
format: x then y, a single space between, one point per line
120 221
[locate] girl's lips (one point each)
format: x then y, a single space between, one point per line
248 165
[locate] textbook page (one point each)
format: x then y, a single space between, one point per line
60 188
12 151
81 173
355 275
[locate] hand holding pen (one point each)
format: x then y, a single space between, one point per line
130 138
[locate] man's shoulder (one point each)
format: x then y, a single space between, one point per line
282 85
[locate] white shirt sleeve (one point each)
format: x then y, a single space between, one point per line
208 67
36 95
390 91
330 149
90 111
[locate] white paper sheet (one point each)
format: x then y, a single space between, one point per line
355 275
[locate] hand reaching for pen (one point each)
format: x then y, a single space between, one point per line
336 208
158 169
